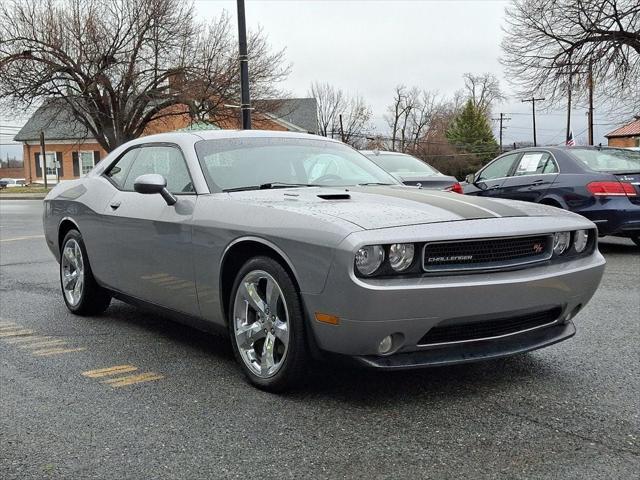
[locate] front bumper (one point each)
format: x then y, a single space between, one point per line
408 308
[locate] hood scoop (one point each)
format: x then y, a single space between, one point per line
335 196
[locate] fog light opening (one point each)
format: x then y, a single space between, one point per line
390 344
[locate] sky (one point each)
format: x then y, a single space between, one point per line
367 47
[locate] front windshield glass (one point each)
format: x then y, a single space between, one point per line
608 160
235 163
403 164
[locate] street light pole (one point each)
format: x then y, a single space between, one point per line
245 100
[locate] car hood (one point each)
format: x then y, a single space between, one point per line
374 207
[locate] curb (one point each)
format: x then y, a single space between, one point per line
24 196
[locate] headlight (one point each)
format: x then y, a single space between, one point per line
369 259
401 256
580 240
561 242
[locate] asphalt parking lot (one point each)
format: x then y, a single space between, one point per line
133 395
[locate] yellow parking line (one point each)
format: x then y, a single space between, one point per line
26 339
8 324
16 333
15 239
132 379
4 328
105 372
46 343
155 275
57 351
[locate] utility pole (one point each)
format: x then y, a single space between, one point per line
533 101
341 129
43 158
245 100
502 127
590 80
568 110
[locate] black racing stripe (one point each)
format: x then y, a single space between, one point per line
498 207
463 210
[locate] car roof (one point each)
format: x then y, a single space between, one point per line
562 148
225 134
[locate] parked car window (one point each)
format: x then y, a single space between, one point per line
165 161
498 168
118 171
250 162
608 160
536 163
403 164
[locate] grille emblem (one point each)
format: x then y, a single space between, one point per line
538 247
453 258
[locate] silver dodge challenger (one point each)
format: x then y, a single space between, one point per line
300 247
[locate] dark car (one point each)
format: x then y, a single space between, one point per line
603 184
413 171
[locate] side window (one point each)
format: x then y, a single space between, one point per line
166 161
536 163
118 171
499 168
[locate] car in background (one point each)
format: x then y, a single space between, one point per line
12 182
413 171
600 183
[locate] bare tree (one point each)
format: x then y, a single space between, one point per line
483 91
120 65
549 41
334 103
410 115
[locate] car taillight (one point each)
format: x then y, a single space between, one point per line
456 188
611 189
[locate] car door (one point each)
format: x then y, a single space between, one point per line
150 241
530 180
488 181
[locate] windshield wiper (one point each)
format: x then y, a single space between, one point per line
267 186
373 183
270 185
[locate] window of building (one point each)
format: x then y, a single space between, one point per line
86 162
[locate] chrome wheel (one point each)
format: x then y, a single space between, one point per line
72 271
261 323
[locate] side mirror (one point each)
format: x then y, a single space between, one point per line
470 179
154 183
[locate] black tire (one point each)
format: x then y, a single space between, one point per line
636 240
93 298
296 360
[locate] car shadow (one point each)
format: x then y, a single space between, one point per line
339 380
618 245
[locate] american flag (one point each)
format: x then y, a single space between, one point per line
570 141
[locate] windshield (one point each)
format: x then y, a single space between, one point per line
250 162
402 164
609 160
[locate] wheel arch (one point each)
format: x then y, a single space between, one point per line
553 201
237 253
64 226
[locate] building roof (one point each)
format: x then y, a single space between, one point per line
56 120
295 112
629 130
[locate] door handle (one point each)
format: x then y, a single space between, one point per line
540 180
114 205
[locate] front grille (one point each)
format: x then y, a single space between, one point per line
486 253
465 332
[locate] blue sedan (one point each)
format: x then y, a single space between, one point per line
603 184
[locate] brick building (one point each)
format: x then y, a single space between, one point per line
626 136
71 151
